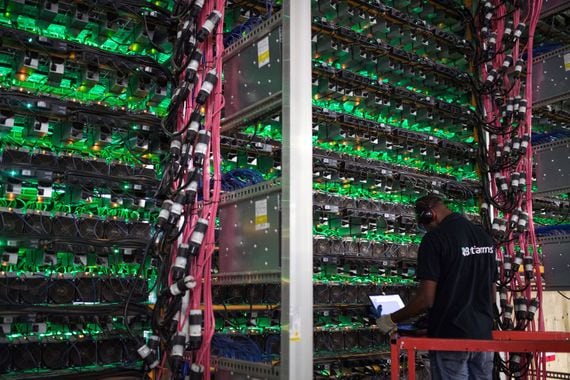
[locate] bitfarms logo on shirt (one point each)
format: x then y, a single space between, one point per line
467 251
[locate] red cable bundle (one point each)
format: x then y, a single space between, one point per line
196 226
507 161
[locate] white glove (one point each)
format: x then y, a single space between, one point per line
386 325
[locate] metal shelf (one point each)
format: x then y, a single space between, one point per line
95 372
382 169
389 131
242 367
356 81
550 7
552 374
269 277
260 189
352 356
418 25
266 107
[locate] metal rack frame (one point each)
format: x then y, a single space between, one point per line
503 341
297 195
293 23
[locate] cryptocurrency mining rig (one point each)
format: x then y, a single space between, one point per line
211 189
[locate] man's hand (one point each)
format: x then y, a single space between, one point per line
386 325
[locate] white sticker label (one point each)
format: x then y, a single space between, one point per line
567 62
12 259
263 52
295 326
261 219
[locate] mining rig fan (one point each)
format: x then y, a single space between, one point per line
26 356
63 226
55 355
34 290
337 293
83 353
61 291
321 246
110 351
321 294
351 339
272 293
5 358
115 230
88 289
9 290
117 289
91 229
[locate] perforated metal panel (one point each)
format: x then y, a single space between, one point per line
556 259
250 241
253 68
551 77
553 167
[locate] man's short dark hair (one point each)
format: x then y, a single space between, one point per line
427 202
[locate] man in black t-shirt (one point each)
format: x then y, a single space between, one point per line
457 274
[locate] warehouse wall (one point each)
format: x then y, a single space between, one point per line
556 317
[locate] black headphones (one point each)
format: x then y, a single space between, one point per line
424 214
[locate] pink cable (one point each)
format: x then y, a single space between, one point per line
201 266
536 7
493 113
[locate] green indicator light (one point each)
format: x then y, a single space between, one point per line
37 78
65 83
89 36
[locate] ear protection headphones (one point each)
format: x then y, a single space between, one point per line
425 215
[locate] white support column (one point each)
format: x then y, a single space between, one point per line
297 198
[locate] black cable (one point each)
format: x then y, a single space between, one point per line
134 286
563 295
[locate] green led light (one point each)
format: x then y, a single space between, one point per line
371 279
33 262
429 51
60 202
54 142
372 193
397 158
37 83
548 221
116 42
351 108
374 236
270 131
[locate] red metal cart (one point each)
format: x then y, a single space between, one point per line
503 341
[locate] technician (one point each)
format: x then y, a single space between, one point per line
457 273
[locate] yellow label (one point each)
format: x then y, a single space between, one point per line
263 57
263 52
260 219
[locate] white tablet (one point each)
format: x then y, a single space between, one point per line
390 303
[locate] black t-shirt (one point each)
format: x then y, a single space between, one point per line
460 257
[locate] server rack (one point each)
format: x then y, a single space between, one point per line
347 266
